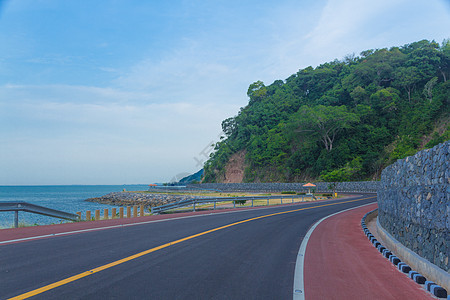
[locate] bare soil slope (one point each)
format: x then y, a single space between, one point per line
234 170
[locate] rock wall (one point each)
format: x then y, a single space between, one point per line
413 203
358 186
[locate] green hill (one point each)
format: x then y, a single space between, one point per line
343 120
196 177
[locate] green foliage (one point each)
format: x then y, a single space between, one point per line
347 173
256 91
406 146
437 139
343 120
240 202
428 89
324 122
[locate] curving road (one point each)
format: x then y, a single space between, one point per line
246 254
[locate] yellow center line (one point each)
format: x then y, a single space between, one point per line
137 255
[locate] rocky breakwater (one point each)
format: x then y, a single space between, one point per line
136 198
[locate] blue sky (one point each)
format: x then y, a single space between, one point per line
121 92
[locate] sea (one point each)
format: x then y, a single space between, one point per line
68 198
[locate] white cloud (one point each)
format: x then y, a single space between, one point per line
116 142
196 72
339 27
347 26
341 19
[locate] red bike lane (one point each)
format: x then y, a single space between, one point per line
341 263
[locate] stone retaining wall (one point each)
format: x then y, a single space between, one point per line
413 203
358 186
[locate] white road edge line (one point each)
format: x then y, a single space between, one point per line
131 224
299 285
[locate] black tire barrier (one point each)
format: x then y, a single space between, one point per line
430 286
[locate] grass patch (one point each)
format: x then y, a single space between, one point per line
288 193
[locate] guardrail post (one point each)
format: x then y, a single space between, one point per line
252 202
292 199
234 203
128 212
88 215
281 200
135 211
97 214
267 201
16 219
121 213
214 205
141 210
105 214
193 205
113 213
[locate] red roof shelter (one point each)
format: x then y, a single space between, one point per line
309 185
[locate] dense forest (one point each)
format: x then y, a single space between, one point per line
343 120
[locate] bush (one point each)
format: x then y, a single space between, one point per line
288 192
437 139
240 202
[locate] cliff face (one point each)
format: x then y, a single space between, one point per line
234 170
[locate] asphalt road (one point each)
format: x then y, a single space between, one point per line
254 259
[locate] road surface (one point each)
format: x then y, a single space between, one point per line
246 254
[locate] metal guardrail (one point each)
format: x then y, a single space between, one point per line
36 209
193 202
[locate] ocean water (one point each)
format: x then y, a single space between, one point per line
68 198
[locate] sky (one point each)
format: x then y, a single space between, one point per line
134 92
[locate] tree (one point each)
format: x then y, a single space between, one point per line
325 122
359 95
385 99
378 67
407 79
346 173
229 126
444 56
428 89
256 91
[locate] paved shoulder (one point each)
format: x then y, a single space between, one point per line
341 264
